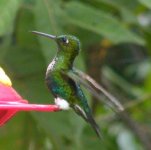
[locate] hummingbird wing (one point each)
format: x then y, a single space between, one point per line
95 89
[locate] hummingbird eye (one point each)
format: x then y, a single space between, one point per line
65 40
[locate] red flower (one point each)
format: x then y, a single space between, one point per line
11 102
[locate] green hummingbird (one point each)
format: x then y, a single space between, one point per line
63 80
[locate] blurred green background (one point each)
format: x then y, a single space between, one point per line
116 52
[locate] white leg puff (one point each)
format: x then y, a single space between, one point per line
63 104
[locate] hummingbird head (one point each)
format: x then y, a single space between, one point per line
67 44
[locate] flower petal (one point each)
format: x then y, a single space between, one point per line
4 78
8 96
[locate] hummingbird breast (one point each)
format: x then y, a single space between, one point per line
58 85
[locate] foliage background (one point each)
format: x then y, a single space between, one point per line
116 51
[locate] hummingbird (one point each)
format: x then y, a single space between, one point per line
67 92
64 80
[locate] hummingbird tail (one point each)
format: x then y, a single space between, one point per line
94 125
88 118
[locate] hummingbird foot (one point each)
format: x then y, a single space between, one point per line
62 104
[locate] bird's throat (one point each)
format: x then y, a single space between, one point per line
65 61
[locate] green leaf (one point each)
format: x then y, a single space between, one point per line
146 3
100 23
8 10
120 4
124 8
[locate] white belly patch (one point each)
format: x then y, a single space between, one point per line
51 65
63 104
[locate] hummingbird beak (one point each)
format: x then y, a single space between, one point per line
44 34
